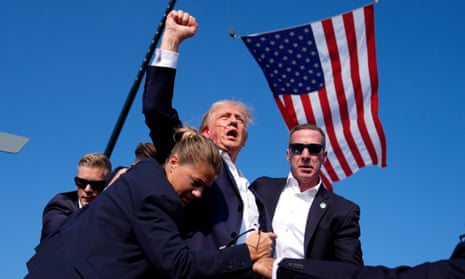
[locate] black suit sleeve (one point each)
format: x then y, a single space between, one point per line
347 246
300 269
161 118
167 252
55 213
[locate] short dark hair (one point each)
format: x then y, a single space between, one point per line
308 126
145 150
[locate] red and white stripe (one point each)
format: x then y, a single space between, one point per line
347 108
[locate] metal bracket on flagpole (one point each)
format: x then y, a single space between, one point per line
232 33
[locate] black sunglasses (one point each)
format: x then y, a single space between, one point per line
97 185
298 148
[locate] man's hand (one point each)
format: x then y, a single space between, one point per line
179 26
260 244
264 267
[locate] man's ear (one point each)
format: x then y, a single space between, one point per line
205 131
288 155
325 156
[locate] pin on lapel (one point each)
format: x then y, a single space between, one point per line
323 205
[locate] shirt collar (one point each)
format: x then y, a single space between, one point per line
292 183
225 155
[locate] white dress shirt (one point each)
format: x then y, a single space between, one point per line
250 209
290 218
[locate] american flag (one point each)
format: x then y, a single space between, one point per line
325 73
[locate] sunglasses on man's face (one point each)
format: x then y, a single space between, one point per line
96 185
298 148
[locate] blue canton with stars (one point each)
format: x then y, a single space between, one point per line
289 59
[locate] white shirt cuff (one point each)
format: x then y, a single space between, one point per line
165 58
274 274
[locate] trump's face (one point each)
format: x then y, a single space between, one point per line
227 127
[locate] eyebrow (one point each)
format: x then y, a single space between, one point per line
199 182
228 113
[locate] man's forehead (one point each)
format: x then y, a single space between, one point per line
228 110
306 133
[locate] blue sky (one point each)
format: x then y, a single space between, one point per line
66 68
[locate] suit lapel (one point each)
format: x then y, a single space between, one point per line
75 200
228 176
273 195
319 207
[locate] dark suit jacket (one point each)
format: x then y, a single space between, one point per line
60 207
314 269
131 231
332 232
57 210
217 216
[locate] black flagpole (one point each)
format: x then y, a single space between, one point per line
135 86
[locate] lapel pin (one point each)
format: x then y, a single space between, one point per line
323 205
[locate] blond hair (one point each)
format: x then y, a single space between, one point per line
193 148
96 160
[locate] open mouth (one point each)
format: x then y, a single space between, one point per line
232 134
